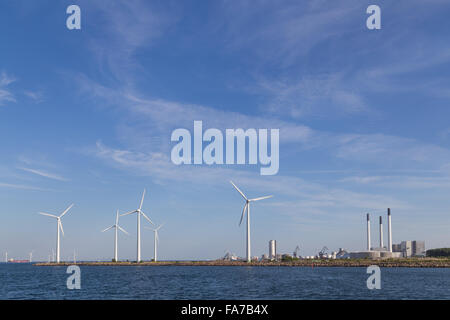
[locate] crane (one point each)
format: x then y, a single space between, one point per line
296 252
323 252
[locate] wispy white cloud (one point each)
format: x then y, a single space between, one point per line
402 182
36 96
5 79
44 174
312 196
303 39
149 122
288 31
316 95
391 151
20 186
126 27
148 119
6 94
156 116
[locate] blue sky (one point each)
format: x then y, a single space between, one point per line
86 117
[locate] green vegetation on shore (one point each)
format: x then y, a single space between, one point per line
440 252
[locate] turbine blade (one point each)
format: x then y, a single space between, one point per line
60 225
142 200
48 214
157 237
108 228
65 211
160 226
123 230
117 217
242 194
124 214
261 198
145 216
243 213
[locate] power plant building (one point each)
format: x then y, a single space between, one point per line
410 248
419 248
381 251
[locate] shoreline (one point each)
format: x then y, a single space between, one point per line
386 263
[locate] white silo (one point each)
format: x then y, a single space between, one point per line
272 249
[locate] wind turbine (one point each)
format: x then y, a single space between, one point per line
155 257
139 213
58 227
116 228
247 209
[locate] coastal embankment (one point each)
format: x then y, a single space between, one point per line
386 263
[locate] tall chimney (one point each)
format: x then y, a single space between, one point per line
381 232
368 232
389 231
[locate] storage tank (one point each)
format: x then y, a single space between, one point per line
272 249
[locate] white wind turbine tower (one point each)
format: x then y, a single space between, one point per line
139 213
116 228
156 240
58 228
247 209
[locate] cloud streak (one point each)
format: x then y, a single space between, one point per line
5 94
290 90
313 96
149 122
21 187
312 195
44 174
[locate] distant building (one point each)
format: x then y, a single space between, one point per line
410 248
406 248
418 248
375 255
378 249
342 254
230 257
272 249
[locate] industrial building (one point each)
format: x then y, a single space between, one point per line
342 254
410 248
381 251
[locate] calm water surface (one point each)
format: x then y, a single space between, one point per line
24 281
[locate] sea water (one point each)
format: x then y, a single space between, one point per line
25 281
